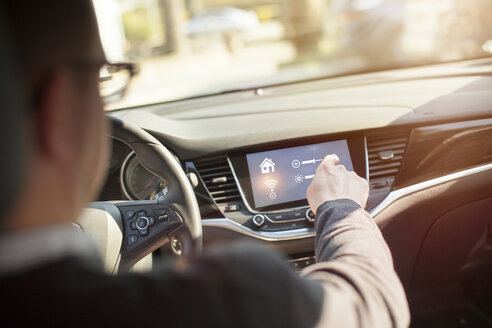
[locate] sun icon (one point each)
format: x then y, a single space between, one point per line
299 178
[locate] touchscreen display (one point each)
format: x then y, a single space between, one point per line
283 175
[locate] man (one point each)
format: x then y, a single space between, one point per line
49 274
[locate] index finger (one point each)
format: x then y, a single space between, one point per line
329 160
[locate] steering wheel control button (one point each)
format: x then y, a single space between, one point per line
141 214
176 246
310 216
162 214
142 223
130 214
143 232
133 225
258 220
132 239
174 218
160 211
151 220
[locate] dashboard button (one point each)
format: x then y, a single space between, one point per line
310 216
379 184
284 226
278 216
269 227
232 208
296 215
295 225
258 220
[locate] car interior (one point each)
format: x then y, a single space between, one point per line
233 166
427 155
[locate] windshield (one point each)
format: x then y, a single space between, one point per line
187 48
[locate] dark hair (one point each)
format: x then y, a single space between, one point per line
11 127
49 33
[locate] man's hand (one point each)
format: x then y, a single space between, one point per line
335 182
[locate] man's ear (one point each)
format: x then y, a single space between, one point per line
53 122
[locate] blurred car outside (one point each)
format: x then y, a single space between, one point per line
389 33
227 22
365 28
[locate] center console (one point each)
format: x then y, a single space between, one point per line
272 179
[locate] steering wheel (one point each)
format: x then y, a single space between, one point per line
147 225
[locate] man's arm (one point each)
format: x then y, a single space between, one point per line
354 263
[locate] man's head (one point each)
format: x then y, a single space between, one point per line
60 55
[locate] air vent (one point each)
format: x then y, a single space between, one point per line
217 176
386 150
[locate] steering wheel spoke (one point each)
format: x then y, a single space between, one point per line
147 225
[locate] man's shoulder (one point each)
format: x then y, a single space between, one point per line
52 273
227 285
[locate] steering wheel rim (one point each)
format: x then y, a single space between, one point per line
156 158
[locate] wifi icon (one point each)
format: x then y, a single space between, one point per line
271 184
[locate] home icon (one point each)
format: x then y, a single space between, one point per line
267 166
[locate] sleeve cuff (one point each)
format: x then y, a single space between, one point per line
334 210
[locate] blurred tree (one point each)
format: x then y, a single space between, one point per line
174 14
304 22
195 6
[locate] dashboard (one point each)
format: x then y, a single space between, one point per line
421 136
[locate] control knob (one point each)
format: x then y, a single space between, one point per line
310 216
258 220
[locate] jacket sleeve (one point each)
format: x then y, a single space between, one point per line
355 268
